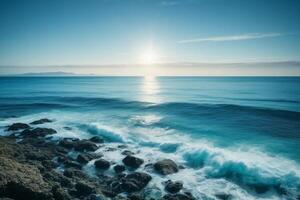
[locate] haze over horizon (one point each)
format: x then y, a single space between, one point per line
159 37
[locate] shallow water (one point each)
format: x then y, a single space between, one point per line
235 135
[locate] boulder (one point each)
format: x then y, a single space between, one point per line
173 187
68 143
41 121
84 189
60 194
22 181
102 164
72 164
132 161
119 168
97 139
18 126
165 166
179 196
135 181
85 145
38 132
82 158
75 174
127 153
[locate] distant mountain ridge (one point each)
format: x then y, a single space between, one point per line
53 74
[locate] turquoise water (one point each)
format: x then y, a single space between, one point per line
235 135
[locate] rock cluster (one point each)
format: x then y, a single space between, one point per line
30 168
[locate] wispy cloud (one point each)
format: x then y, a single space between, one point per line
247 36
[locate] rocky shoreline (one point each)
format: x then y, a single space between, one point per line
34 166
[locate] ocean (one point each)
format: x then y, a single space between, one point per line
234 135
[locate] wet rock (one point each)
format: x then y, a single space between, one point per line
22 181
127 153
135 197
179 196
68 143
166 166
38 132
41 121
55 177
81 158
85 145
97 139
102 164
84 189
73 164
223 196
18 126
67 128
132 161
60 194
173 187
135 181
119 168
75 174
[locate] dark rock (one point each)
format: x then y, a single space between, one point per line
109 193
127 153
135 181
67 128
122 146
119 168
55 177
22 181
41 121
38 132
73 164
223 196
179 196
165 167
132 161
83 158
85 145
102 164
74 173
60 194
84 189
68 143
18 126
97 139
135 197
173 187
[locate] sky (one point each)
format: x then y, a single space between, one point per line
158 37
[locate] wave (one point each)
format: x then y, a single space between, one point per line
257 176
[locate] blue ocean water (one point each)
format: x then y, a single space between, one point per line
235 135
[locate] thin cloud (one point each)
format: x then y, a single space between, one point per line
248 36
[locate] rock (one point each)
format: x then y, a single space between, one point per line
127 153
166 166
179 196
85 145
173 187
18 126
75 174
119 168
22 181
73 164
54 177
132 161
68 143
83 158
135 197
135 181
97 139
84 189
60 194
41 121
38 132
102 164
223 196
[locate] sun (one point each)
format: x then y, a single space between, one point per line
149 56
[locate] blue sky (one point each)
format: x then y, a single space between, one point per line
119 32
